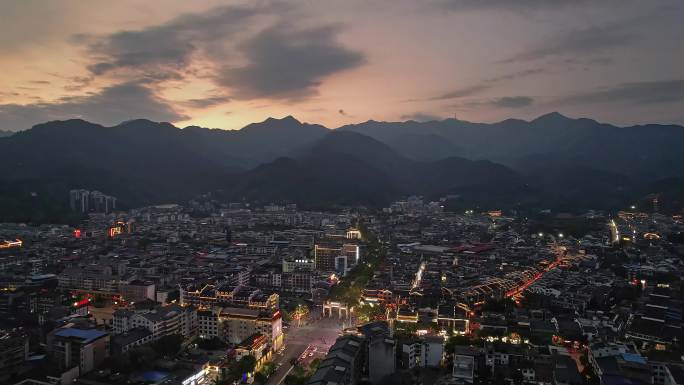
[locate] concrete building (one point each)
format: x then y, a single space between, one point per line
14 348
85 201
121 343
209 296
160 321
256 346
324 257
235 325
344 363
69 347
382 358
426 351
137 290
464 368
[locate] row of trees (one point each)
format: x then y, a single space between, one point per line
349 290
301 375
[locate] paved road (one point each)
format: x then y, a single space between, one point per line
321 333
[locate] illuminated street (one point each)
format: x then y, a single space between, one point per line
321 333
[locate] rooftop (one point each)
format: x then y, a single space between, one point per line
87 335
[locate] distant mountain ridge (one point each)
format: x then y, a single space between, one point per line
552 161
650 151
351 168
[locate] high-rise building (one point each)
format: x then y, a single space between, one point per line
85 201
325 256
79 200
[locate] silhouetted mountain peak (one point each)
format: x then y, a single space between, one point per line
510 121
135 122
138 125
350 142
286 120
60 127
271 124
352 145
551 117
290 119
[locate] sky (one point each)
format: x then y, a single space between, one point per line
224 64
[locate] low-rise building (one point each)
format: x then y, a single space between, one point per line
70 346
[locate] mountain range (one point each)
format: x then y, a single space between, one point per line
550 162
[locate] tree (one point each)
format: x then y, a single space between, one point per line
367 312
313 366
405 329
452 342
119 363
260 378
298 376
246 364
268 369
211 344
141 357
168 345
300 312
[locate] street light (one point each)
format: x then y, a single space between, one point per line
560 235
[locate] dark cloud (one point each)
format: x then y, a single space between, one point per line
485 85
513 5
462 92
206 102
420 117
656 92
582 42
513 101
499 102
109 106
283 63
526 6
516 75
166 47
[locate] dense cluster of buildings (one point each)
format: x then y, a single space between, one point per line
501 300
172 294
125 281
